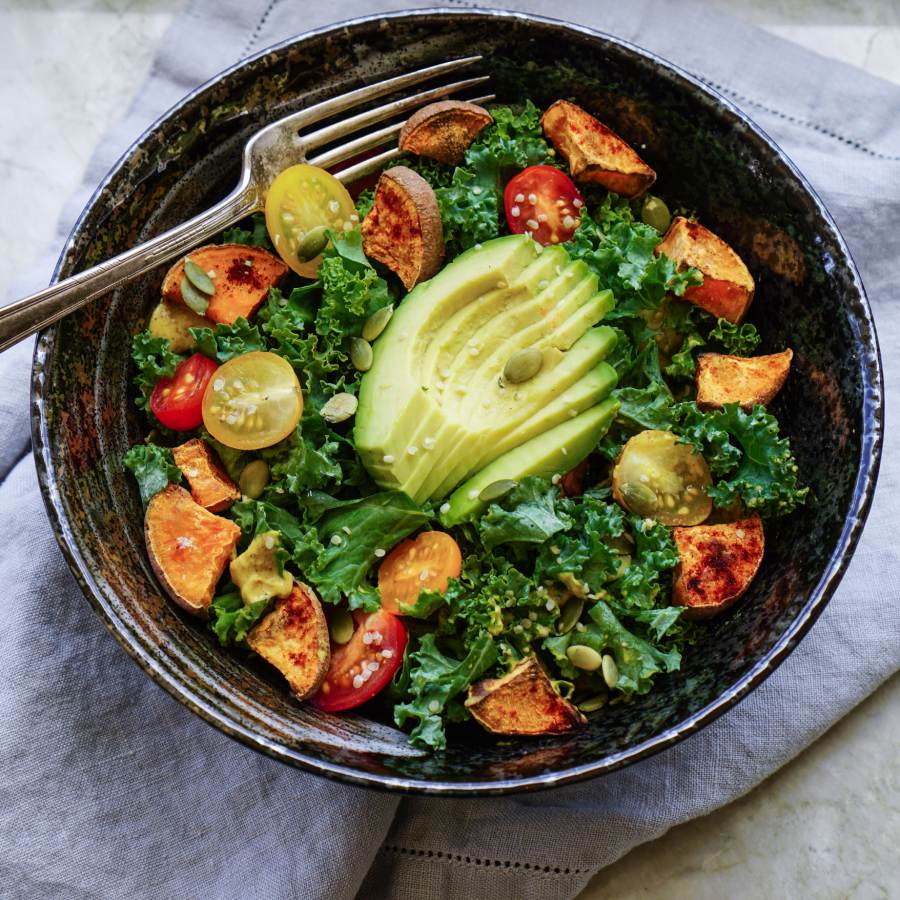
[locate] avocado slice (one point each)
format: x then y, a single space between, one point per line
543 456
434 404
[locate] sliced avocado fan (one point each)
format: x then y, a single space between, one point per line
435 407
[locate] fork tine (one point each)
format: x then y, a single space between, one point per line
337 105
397 107
367 165
367 142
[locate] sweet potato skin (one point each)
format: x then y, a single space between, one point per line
730 379
404 229
188 547
211 486
294 639
444 130
522 702
594 152
717 564
240 289
728 288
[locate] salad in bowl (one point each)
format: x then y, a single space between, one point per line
487 442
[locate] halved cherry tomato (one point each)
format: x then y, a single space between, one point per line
424 564
253 402
376 648
178 401
544 202
302 198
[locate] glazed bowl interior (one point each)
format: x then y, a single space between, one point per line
709 159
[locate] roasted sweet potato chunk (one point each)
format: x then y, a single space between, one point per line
404 230
188 547
444 130
594 152
728 287
730 379
294 639
240 288
211 486
717 564
522 702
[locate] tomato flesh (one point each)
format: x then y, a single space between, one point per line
253 402
178 401
377 647
424 564
544 202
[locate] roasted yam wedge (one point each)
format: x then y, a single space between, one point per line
717 564
731 379
728 287
444 131
294 639
594 152
188 547
404 229
211 486
241 275
522 702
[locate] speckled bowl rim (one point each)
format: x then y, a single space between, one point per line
863 490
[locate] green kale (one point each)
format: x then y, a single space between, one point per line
154 362
231 620
469 213
256 236
527 514
760 469
435 681
154 469
229 341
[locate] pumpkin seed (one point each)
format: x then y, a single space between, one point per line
196 300
313 243
339 408
594 703
341 626
584 657
361 354
198 278
496 489
523 365
655 213
639 498
570 615
610 671
254 479
377 322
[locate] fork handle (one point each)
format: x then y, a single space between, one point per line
25 317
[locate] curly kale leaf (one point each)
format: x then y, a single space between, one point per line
229 341
435 681
760 469
231 620
153 467
469 213
527 514
154 362
256 236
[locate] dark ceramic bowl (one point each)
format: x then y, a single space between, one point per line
709 157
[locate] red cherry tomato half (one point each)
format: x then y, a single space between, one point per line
544 202
178 401
376 647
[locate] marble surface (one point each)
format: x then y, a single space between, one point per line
826 827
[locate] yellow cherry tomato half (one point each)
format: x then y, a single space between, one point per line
302 198
252 401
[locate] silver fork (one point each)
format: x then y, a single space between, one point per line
267 153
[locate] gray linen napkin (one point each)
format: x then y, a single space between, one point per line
110 788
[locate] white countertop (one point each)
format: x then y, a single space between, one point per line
825 827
